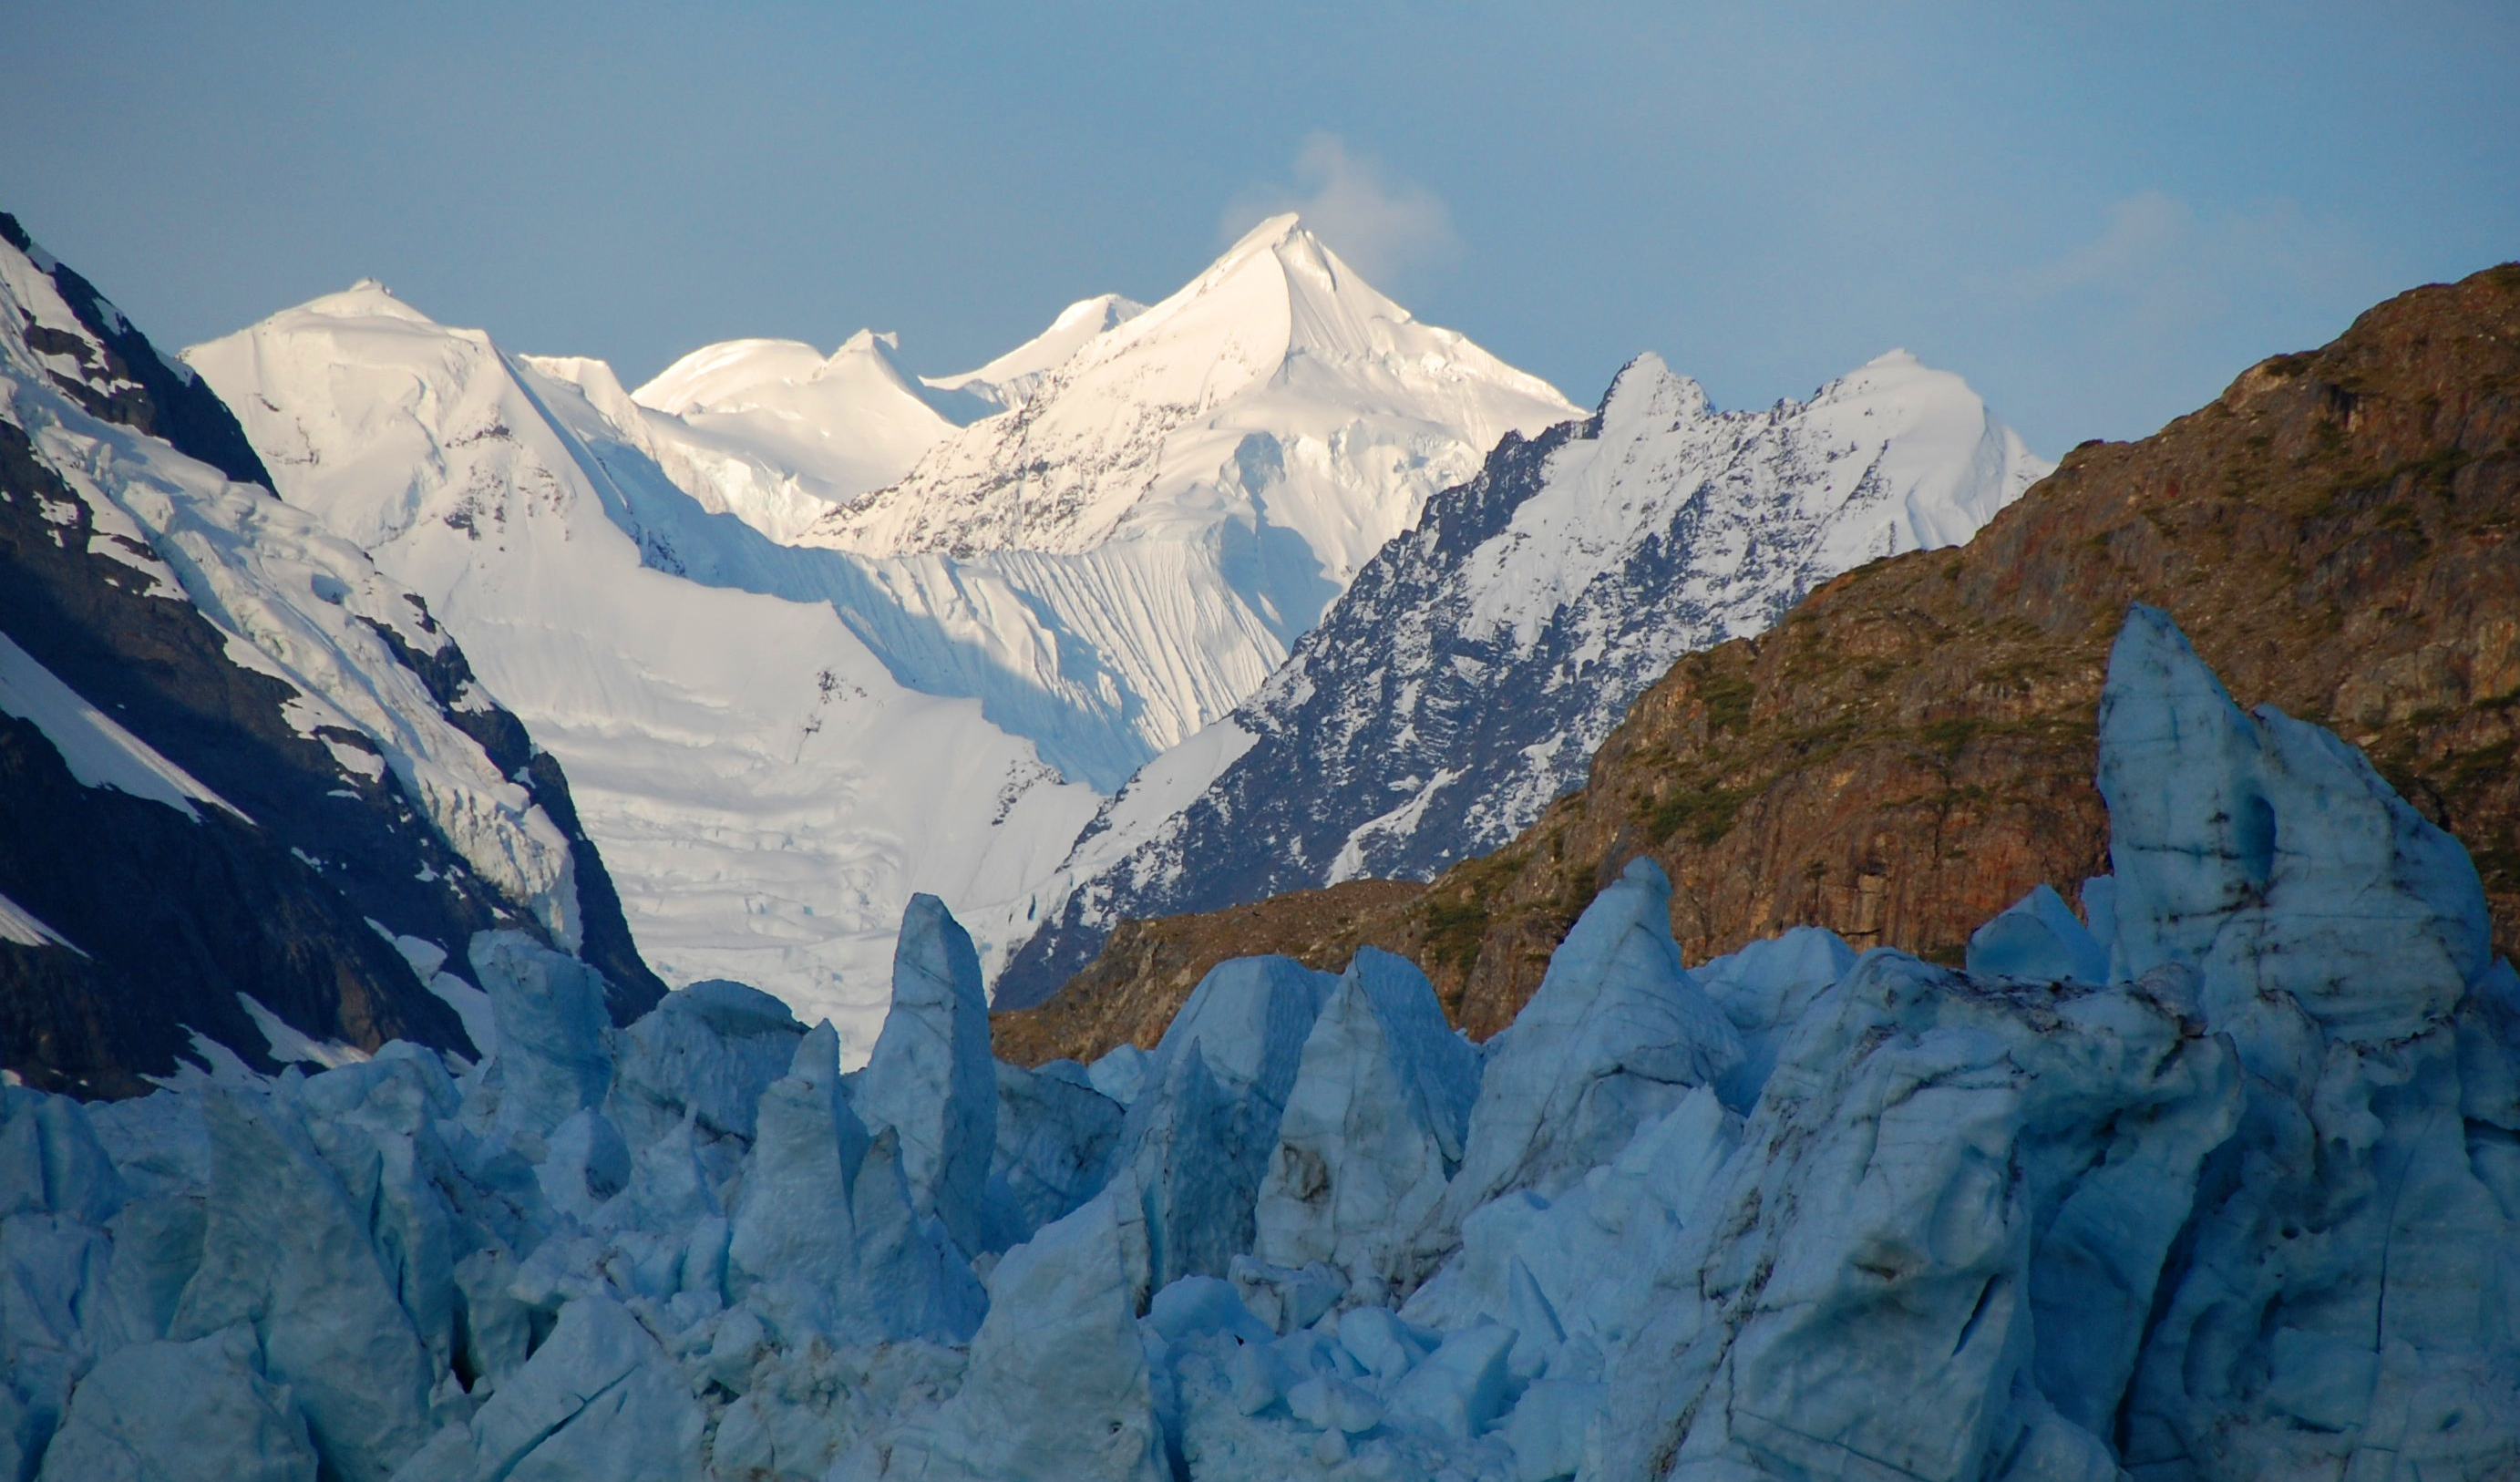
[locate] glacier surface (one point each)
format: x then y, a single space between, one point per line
2238 1197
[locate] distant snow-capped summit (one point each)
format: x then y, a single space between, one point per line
1277 390
766 793
1010 381
777 742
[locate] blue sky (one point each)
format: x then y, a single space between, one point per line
2097 212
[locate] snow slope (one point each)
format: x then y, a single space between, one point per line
764 791
173 634
1010 381
1277 390
1290 419
1467 676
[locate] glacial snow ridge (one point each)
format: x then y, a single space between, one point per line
1278 389
1469 674
250 793
731 704
2215 1181
765 792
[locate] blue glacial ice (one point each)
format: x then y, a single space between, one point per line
2218 1180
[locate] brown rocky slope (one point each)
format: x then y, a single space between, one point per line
1912 748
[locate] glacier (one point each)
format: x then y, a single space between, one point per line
2222 1181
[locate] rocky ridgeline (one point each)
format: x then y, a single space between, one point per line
2222 1183
1912 747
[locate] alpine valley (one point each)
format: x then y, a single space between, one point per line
505 879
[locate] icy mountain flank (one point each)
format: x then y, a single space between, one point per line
1470 672
772 430
1279 391
766 793
2214 1183
771 785
251 799
1010 381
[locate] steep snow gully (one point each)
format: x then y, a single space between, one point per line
2219 1179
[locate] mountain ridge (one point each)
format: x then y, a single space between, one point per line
1910 745
370 809
1465 677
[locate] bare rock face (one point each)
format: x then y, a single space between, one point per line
1911 749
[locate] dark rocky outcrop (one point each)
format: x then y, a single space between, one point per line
122 378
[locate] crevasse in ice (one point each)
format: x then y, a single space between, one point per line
2218 1180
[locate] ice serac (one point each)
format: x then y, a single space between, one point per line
1763 990
192 1412
1199 1137
793 1231
1952 1195
930 1077
285 1252
2349 1288
1057 1383
1374 1126
2247 1212
2268 855
707 1053
2039 937
600 1398
1478 661
552 1058
1616 1035
1056 1136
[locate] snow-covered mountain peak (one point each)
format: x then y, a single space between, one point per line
366 298
775 431
1648 390
714 373
1010 381
790 378
1893 456
766 791
1277 394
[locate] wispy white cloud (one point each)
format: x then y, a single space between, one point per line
1385 228
2165 266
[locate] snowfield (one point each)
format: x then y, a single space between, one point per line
2214 1182
777 745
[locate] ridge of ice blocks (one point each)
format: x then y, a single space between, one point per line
2219 1180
